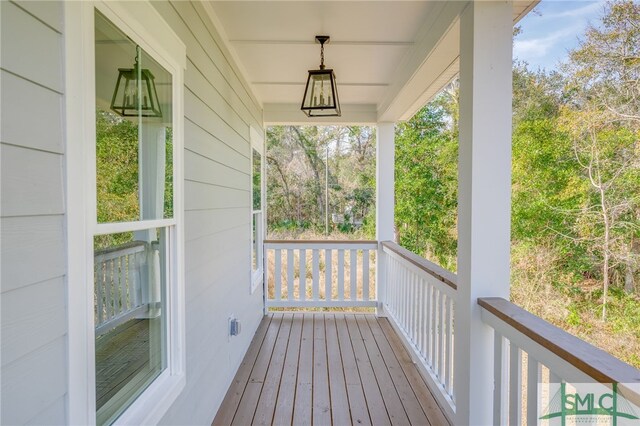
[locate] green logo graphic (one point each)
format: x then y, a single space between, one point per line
588 402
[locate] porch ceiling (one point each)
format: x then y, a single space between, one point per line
389 57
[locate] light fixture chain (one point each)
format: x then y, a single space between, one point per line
321 55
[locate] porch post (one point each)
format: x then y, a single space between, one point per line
484 197
385 166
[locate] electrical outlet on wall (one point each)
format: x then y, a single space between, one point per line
234 326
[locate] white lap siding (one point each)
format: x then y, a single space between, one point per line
218 112
32 261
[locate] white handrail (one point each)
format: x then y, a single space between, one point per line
311 274
420 302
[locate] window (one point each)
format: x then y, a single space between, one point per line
135 237
256 216
124 218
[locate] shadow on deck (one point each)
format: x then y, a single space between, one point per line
324 369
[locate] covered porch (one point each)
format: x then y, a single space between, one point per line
434 347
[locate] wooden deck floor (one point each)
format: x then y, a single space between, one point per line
325 369
120 355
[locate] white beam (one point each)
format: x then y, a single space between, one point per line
427 67
385 200
484 197
290 114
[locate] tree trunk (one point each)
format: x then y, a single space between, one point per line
631 267
605 249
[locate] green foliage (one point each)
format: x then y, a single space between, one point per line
426 181
117 168
307 165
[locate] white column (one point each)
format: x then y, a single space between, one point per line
484 197
385 200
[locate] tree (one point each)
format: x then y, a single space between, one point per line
606 65
426 180
602 118
310 165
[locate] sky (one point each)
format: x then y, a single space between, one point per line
552 29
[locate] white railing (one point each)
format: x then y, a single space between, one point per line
321 273
420 301
117 282
531 359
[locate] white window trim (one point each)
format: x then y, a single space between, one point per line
143 24
257 143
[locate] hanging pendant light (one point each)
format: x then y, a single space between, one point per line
135 93
321 94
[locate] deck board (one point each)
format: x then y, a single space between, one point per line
395 408
232 399
355 393
412 407
302 404
249 400
287 392
327 369
340 413
321 400
372 393
120 355
268 396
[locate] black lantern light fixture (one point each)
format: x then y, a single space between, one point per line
135 93
321 94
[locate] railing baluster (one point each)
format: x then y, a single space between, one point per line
446 357
302 282
533 374
99 280
123 283
365 274
328 278
498 379
441 332
429 323
422 331
315 274
405 299
434 328
277 274
290 261
353 275
414 303
108 281
515 384
340 274
450 334
390 292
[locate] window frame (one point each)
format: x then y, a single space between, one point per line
146 27
257 276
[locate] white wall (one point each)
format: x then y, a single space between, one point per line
32 258
218 112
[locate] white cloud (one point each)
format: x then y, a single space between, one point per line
539 47
586 10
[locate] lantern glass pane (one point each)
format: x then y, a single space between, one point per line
134 150
321 94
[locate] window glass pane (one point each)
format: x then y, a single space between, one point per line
130 320
133 130
255 241
256 179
